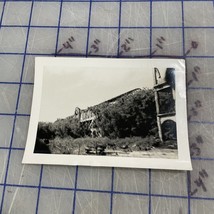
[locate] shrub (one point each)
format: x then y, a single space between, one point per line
133 116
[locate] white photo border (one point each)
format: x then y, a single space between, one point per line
183 162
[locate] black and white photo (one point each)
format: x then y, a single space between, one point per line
109 112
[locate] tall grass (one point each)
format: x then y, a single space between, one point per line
70 145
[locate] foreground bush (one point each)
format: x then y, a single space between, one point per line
100 146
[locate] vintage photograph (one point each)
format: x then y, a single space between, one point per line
108 110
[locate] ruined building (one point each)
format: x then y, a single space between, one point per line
87 115
164 87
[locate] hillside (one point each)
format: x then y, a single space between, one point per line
128 122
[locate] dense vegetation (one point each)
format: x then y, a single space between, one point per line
133 115
131 118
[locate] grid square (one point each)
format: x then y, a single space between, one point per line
166 14
138 41
45 14
28 73
207 180
20 200
62 176
25 100
206 133
205 111
201 37
131 180
16 13
91 202
205 73
198 13
8 97
6 127
22 174
202 206
13 40
3 159
169 205
172 43
11 66
79 43
108 42
105 14
55 201
75 14
42 40
169 183
126 204
20 132
94 178
135 14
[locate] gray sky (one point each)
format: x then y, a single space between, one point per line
65 89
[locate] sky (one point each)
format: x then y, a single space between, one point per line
65 88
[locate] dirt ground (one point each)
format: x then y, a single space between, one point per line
153 153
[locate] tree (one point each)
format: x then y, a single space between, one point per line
45 131
133 115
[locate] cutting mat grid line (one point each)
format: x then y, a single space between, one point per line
150 197
111 192
58 27
39 189
75 192
107 0
16 109
88 28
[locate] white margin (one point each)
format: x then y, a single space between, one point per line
182 163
